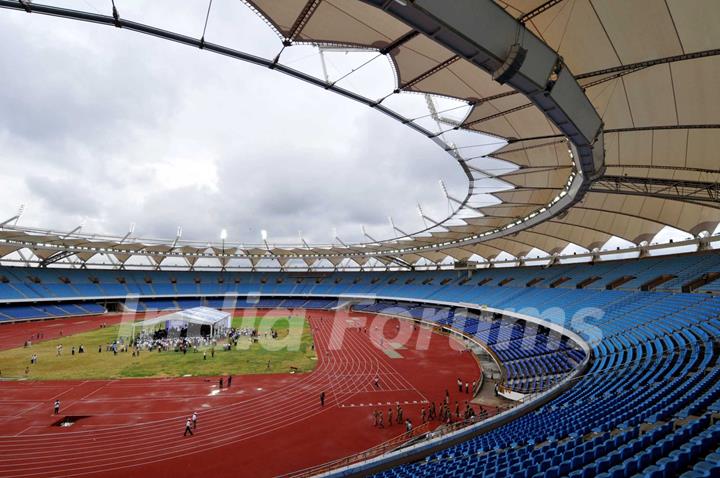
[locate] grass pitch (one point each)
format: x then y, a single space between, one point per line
292 350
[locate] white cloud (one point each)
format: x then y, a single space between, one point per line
120 127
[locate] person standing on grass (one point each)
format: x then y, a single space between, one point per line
194 420
322 399
56 407
188 428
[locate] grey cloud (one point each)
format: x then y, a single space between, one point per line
65 196
103 110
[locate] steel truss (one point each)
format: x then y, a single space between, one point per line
674 189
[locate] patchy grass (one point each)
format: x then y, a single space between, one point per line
292 348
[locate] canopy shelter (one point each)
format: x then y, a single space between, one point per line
199 316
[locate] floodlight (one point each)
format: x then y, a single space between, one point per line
264 234
223 234
444 189
15 218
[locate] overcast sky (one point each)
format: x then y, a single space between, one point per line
112 127
109 127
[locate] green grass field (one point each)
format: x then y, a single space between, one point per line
245 359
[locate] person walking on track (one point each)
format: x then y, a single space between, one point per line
322 399
194 420
56 407
188 427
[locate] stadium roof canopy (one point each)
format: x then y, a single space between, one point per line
611 112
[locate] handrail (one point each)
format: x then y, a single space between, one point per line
377 450
448 428
422 431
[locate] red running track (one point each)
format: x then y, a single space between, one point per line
264 425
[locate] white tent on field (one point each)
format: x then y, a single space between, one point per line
196 318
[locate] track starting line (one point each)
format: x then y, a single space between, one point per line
381 404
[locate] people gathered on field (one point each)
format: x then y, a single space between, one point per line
161 341
176 339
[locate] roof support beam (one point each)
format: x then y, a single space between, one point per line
625 130
399 42
706 193
665 127
58 256
496 115
301 21
648 63
400 262
430 72
667 168
540 9
534 169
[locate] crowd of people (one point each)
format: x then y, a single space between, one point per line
165 340
179 340
445 413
